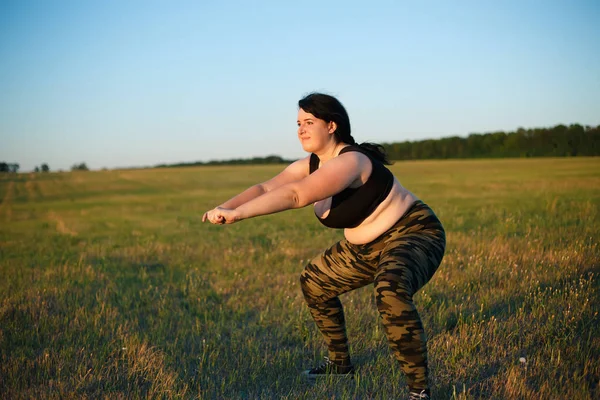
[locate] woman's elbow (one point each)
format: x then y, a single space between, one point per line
261 188
299 201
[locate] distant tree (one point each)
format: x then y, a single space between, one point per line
36 169
80 167
8 167
45 167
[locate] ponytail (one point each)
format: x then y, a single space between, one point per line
376 151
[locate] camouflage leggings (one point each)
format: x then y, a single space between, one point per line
398 263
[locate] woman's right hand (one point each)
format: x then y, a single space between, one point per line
220 216
212 217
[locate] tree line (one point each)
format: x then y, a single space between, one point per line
44 167
9 167
235 161
558 141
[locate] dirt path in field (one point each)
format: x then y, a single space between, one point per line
61 227
5 205
32 187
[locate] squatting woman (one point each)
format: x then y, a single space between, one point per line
391 238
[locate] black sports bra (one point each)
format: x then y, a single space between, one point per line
352 206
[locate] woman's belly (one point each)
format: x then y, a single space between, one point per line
383 218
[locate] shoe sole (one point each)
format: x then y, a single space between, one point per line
313 377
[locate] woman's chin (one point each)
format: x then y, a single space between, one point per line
307 147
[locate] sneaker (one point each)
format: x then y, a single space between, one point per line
329 368
418 396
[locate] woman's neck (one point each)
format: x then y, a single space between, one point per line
330 152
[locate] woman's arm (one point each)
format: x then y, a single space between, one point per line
293 172
247 195
330 179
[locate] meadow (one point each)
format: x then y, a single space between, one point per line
112 287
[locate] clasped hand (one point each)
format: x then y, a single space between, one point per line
220 216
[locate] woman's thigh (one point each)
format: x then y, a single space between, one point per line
409 261
337 270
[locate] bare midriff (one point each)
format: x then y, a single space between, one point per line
384 217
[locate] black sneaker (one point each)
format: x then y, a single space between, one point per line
418 396
329 368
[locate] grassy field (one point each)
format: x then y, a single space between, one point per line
113 288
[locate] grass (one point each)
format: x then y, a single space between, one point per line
113 288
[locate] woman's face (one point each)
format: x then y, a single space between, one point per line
314 133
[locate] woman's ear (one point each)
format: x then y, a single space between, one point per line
332 127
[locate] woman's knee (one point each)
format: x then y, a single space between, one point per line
393 296
309 288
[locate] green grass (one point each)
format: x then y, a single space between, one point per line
113 288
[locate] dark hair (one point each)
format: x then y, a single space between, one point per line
328 108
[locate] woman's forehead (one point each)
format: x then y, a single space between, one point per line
302 115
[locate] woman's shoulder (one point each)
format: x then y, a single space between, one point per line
357 152
300 166
349 148
301 162
366 154
294 172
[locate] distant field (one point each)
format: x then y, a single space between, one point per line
113 288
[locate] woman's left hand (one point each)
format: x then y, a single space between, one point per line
220 216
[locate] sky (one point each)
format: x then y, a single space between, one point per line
131 83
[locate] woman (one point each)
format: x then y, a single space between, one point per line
392 239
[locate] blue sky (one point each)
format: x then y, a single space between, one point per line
138 83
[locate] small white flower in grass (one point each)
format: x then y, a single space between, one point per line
522 360
123 348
